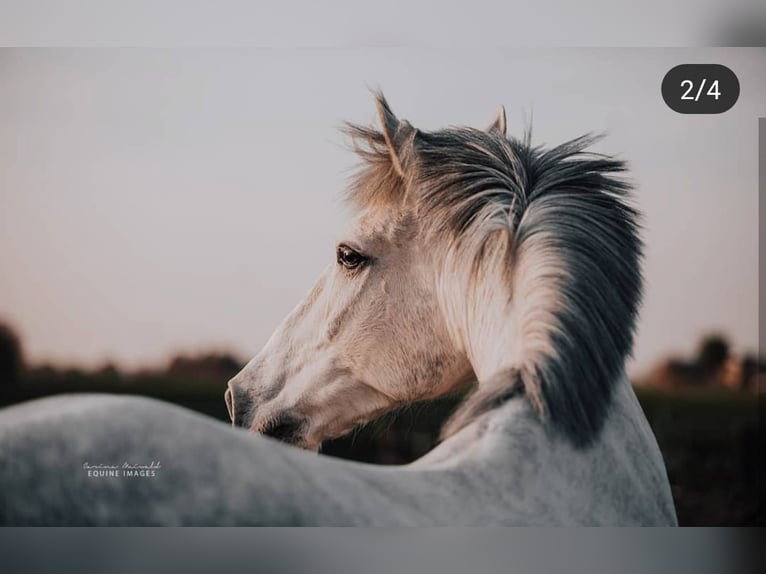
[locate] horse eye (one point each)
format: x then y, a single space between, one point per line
349 258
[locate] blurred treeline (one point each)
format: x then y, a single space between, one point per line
704 412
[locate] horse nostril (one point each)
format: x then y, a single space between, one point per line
285 428
229 403
239 405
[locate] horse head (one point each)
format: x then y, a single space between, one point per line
473 257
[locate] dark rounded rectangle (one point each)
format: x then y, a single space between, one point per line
700 89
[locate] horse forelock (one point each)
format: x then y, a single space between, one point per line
554 231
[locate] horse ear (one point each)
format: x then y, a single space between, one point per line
498 125
397 133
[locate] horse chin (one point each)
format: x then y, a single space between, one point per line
296 441
313 447
304 444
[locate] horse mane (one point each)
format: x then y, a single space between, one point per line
569 256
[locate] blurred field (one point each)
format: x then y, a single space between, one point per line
709 437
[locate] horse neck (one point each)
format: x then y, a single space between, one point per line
513 433
512 460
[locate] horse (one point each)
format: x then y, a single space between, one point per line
477 262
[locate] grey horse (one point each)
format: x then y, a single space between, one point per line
477 261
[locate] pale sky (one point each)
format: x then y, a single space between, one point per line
155 201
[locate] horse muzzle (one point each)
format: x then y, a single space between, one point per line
280 425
